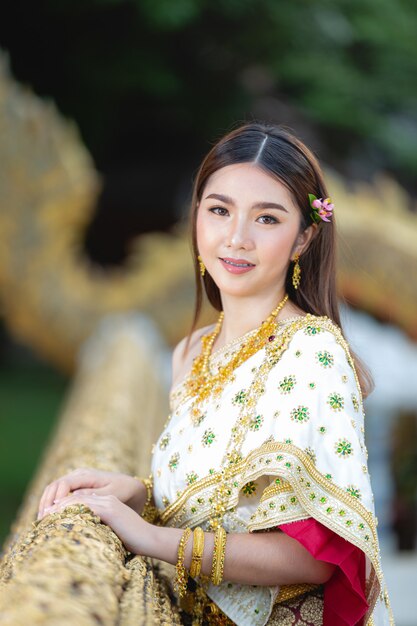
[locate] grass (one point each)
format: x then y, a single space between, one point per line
30 400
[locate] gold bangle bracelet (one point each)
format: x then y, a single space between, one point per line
218 555
148 482
181 575
198 549
149 512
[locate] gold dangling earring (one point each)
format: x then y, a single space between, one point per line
296 273
202 266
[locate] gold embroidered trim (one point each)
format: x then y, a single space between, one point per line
288 592
275 490
270 447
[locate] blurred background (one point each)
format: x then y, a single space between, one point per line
106 109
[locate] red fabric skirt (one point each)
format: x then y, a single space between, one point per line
344 593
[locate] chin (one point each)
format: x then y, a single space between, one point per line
242 291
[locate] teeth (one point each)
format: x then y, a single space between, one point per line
238 264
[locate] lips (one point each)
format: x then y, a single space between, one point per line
237 262
236 266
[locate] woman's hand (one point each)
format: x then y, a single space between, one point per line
131 529
86 480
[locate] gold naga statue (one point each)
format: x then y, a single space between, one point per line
68 568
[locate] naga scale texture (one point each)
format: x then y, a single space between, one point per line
68 568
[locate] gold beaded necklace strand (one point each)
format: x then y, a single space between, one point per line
201 383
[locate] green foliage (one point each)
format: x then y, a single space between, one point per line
348 66
30 400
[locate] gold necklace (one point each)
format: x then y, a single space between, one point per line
202 383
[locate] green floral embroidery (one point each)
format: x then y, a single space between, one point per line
298 353
249 489
256 423
240 397
173 461
354 491
310 453
300 414
322 430
164 441
335 400
288 441
355 402
312 330
287 384
328 476
276 414
325 358
343 448
208 437
192 477
311 385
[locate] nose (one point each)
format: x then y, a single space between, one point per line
239 236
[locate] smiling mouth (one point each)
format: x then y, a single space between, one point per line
238 264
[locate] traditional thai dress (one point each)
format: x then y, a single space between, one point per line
280 447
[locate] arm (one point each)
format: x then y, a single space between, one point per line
261 558
265 559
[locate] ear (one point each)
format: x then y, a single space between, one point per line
303 240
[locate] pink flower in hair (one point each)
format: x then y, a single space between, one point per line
322 209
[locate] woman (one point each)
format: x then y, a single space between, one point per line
266 426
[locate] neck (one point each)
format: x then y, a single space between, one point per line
244 314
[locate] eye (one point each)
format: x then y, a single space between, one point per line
270 219
215 210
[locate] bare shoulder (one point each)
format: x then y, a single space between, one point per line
181 363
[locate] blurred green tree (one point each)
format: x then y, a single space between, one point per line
146 80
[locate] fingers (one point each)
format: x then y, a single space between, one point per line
80 477
59 505
98 504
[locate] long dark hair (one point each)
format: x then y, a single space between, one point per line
283 156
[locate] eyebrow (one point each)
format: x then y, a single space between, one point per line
257 205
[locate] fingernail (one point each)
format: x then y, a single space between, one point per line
57 500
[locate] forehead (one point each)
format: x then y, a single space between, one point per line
248 182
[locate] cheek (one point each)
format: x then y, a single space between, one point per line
206 234
277 245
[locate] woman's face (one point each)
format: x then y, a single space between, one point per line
248 230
